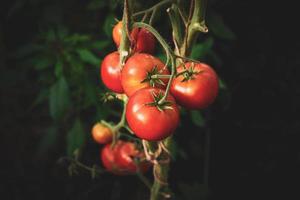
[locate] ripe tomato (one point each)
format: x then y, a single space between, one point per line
111 72
108 157
149 121
101 133
199 90
126 155
143 40
137 71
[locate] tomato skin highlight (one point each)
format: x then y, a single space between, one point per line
143 40
125 158
198 92
111 72
101 133
148 122
136 69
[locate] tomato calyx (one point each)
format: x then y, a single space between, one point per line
152 77
161 106
189 74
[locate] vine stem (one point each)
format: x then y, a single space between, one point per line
121 124
156 6
170 55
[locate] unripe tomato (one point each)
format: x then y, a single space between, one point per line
198 91
143 40
111 72
137 71
101 133
108 157
126 155
149 121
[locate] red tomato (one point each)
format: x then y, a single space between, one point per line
101 133
143 40
200 90
138 68
148 121
111 72
108 157
126 155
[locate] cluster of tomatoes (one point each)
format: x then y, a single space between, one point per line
150 113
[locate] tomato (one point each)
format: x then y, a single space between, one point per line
108 157
143 40
137 71
126 155
198 91
101 133
151 122
120 159
111 72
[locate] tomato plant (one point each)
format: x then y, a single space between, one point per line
196 85
140 71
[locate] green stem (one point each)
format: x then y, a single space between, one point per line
194 26
156 6
126 27
170 54
121 124
160 76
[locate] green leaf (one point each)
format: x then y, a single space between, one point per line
59 99
26 50
222 84
88 57
48 140
197 118
58 71
41 62
108 25
200 50
42 96
75 138
96 4
100 45
218 27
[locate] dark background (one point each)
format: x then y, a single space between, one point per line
254 123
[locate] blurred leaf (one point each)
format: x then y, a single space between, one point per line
41 62
27 50
48 140
58 68
96 4
42 96
18 5
108 25
217 26
193 191
88 57
62 32
100 44
197 118
77 38
75 137
222 84
200 50
50 35
59 99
